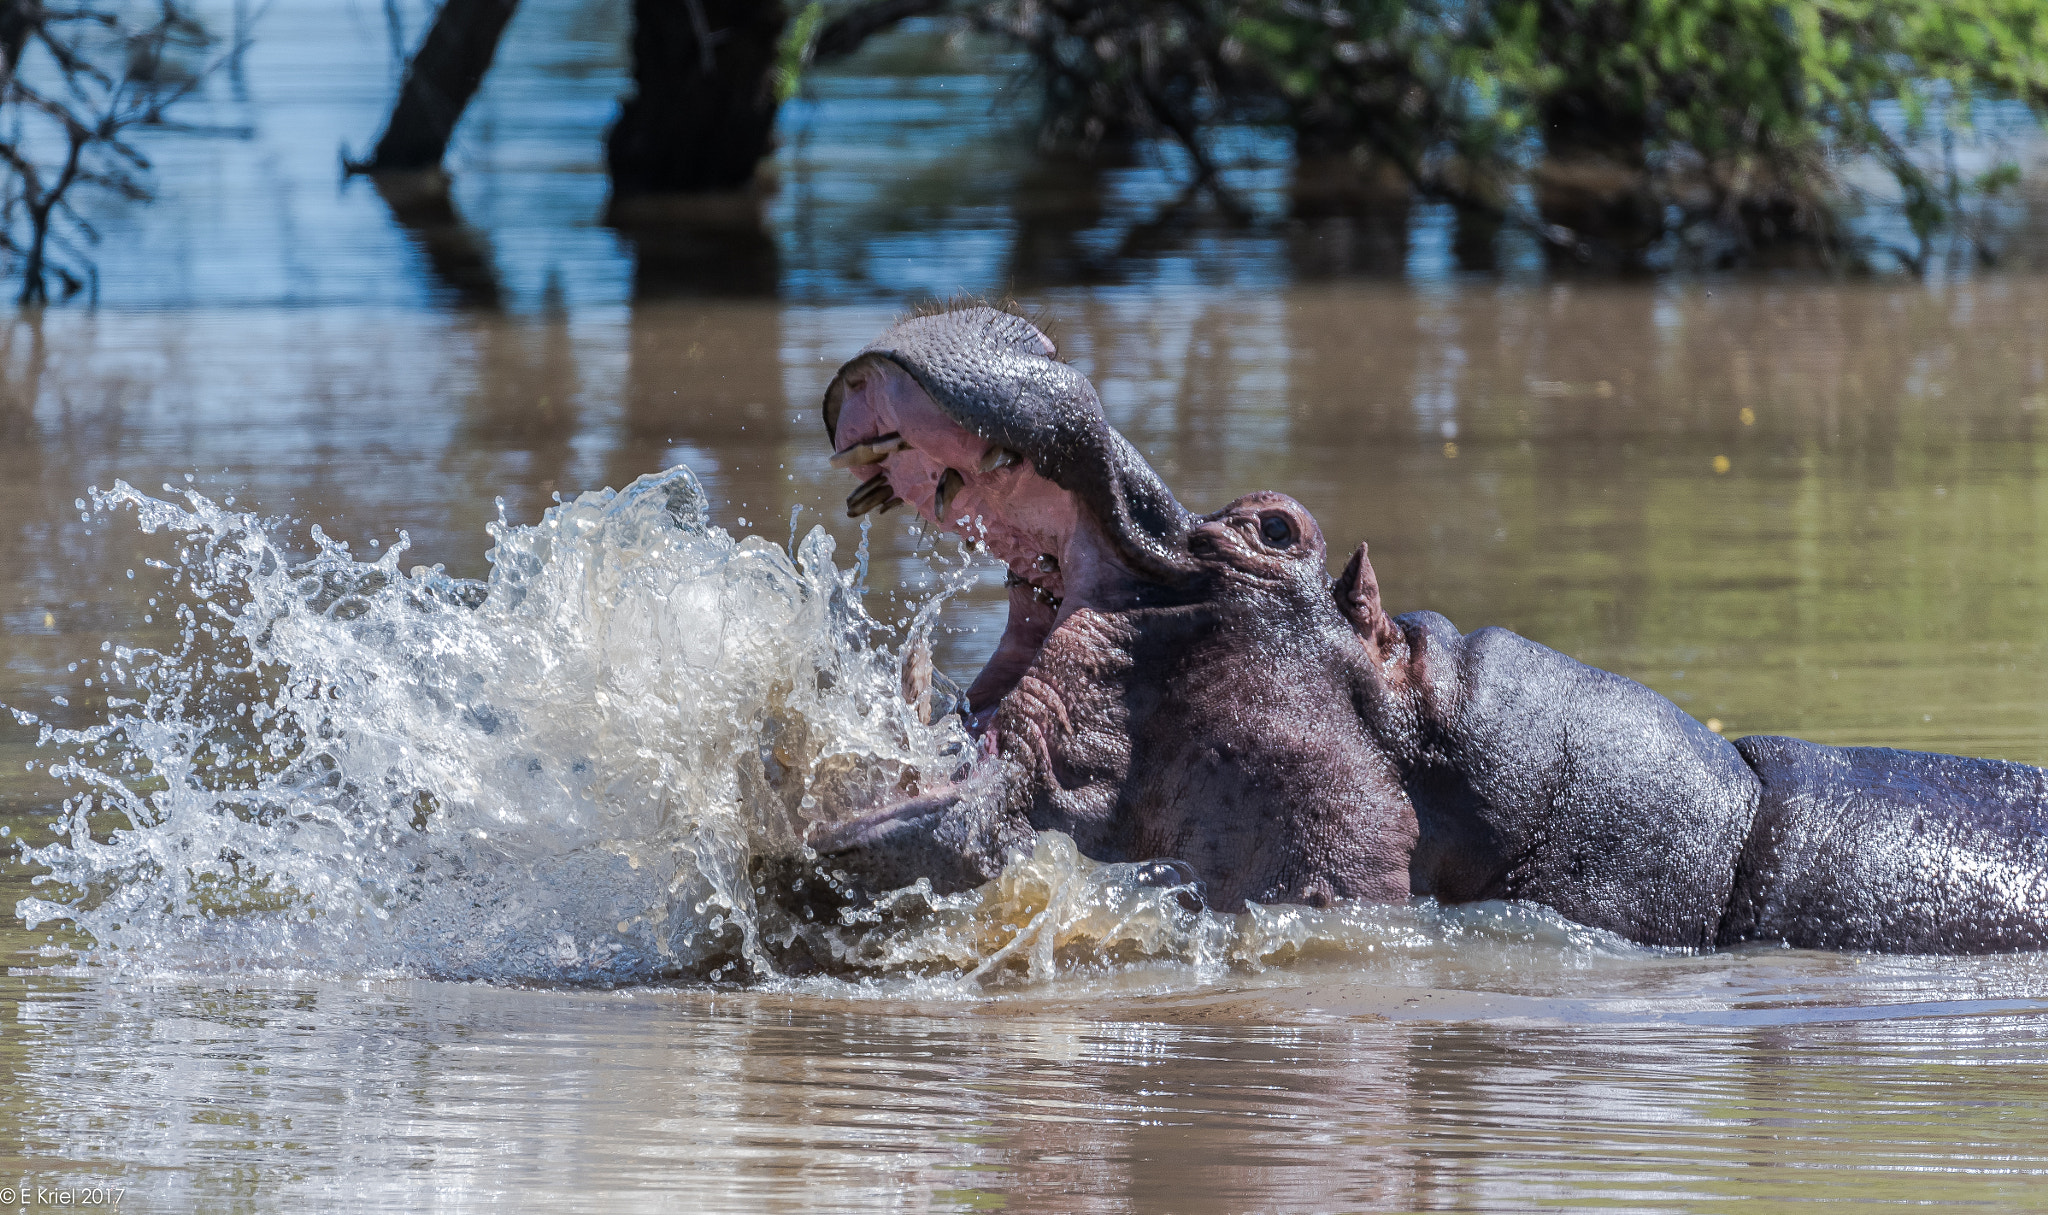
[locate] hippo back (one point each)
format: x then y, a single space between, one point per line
1537 777
1870 848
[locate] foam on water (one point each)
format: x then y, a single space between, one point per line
571 772
1055 913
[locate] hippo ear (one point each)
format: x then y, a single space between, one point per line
1358 596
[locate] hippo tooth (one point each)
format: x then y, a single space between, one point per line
873 451
1048 564
999 457
917 679
891 504
949 484
1011 579
867 496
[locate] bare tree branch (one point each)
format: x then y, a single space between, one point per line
844 34
70 88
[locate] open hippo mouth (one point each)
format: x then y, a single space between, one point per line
971 419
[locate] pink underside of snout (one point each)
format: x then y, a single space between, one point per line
1032 617
1031 525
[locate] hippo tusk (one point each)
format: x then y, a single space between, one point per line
917 678
867 496
999 457
872 451
949 484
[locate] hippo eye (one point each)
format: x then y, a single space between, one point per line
1277 530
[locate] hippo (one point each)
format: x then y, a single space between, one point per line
1197 694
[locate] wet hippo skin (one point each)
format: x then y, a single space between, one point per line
1198 690
1901 851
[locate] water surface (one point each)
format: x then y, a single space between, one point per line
511 955
1809 508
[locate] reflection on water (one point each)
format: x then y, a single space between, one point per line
296 1094
1792 506
908 170
1810 508
1869 567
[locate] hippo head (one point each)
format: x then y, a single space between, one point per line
970 418
1166 682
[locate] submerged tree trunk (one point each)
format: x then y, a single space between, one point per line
844 34
1351 213
703 112
1594 178
439 83
17 22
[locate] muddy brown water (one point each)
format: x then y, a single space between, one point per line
1818 509
1796 506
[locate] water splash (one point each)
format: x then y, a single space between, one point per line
576 771
1056 913
560 773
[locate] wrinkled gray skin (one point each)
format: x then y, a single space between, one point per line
1199 691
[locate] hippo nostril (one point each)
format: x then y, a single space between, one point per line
1278 531
949 484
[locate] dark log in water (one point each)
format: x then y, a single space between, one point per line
844 34
17 22
703 111
439 82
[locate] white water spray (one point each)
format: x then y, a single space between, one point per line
561 773
569 772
